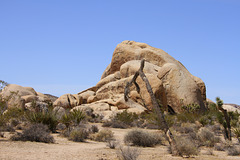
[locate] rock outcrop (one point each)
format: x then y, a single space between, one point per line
22 97
172 84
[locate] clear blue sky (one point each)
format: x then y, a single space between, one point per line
63 46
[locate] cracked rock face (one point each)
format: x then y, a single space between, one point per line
172 84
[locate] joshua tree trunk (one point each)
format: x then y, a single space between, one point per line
156 107
227 118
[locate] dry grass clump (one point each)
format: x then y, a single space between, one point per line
78 135
234 151
36 132
207 137
128 153
143 138
102 136
185 147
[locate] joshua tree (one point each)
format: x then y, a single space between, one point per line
2 84
227 126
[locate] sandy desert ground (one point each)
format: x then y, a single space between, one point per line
63 149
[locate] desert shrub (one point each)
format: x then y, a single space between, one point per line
66 120
122 120
234 151
112 143
73 118
119 124
234 116
14 122
7 128
185 147
36 132
206 119
126 117
187 117
207 137
102 136
143 138
93 129
78 135
77 116
16 113
236 131
219 147
47 118
216 128
191 108
128 153
107 124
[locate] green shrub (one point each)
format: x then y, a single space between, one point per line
142 138
126 117
102 136
236 131
191 108
77 116
187 117
36 132
73 118
78 135
47 118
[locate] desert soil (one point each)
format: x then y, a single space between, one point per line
63 149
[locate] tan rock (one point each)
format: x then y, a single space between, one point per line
67 101
131 67
29 98
174 85
42 97
109 78
181 89
13 94
83 97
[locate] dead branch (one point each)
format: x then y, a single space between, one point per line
156 107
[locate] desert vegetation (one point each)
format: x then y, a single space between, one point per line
193 130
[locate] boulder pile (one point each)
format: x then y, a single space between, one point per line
172 84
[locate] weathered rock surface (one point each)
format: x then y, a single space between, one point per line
22 97
170 80
172 84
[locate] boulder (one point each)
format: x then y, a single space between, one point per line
181 89
172 83
13 94
83 96
67 101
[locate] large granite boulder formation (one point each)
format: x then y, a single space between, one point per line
22 97
172 84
